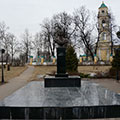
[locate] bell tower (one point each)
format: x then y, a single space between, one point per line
104 43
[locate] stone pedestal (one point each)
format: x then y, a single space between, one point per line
61 62
70 81
61 79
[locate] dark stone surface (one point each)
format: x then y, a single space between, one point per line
36 102
61 65
19 113
61 112
36 113
70 81
4 112
35 95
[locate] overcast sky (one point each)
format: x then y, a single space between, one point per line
22 14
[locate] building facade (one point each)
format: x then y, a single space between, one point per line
105 46
104 50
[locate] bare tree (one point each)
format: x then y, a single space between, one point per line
63 28
6 46
96 30
14 46
112 30
26 44
4 41
59 29
49 42
38 43
84 29
3 30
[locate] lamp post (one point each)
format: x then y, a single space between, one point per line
2 52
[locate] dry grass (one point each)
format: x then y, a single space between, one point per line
14 72
42 70
93 69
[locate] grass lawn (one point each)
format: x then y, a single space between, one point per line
93 69
14 72
43 70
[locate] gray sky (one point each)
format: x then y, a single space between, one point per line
22 14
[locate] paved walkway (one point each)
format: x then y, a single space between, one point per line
16 83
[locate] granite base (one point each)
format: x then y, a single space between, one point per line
33 101
70 81
55 113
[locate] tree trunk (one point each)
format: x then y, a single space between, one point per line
12 59
26 57
6 58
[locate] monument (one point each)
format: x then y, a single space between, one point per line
61 98
62 79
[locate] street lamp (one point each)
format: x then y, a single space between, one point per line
2 52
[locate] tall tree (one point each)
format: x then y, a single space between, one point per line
3 30
49 43
112 30
63 28
4 39
38 43
97 31
26 44
84 29
14 46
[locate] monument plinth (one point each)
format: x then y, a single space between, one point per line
62 79
34 101
61 62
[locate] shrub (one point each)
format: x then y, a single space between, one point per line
82 75
112 72
71 60
116 63
116 60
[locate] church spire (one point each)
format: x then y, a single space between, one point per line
103 5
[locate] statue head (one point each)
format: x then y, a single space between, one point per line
61 41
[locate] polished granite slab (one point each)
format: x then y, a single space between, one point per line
88 101
35 95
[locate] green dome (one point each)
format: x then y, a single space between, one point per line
103 5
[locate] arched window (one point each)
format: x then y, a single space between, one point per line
103 21
103 11
103 36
